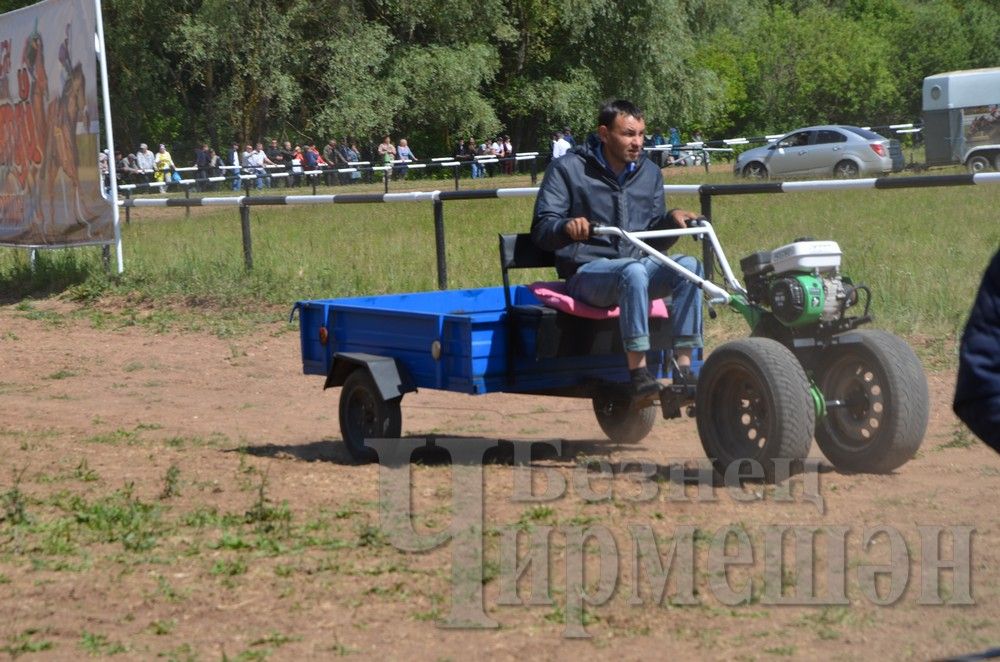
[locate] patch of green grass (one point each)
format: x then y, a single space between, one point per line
61 374
171 482
118 436
961 437
14 503
26 642
274 639
84 473
162 626
120 517
229 567
99 645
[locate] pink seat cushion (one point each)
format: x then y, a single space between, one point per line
554 295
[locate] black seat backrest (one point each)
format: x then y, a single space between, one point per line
518 251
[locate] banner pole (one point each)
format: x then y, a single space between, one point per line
109 134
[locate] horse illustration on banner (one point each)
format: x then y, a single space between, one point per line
51 189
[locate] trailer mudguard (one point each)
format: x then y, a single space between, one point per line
390 376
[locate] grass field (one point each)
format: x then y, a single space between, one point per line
922 251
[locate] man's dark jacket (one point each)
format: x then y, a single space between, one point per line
977 393
577 184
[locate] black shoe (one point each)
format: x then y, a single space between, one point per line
642 384
683 376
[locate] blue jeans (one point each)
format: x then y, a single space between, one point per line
631 284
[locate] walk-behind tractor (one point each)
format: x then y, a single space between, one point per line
806 370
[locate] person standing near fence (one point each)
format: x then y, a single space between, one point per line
256 161
404 154
507 155
235 160
292 163
146 160
164 165
202 161
386 153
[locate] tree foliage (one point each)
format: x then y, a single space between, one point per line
187 71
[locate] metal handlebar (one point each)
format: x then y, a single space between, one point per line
701 228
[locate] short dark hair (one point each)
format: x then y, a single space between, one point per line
612 109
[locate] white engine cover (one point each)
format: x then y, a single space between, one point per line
806 256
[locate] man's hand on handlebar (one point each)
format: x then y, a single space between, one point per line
682 218
578 228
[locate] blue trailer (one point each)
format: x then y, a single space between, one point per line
806 370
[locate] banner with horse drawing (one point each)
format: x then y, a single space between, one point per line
51 188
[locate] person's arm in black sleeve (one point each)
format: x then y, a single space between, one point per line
977 391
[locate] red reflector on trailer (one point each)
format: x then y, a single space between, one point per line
324 335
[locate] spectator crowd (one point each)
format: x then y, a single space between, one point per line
260 166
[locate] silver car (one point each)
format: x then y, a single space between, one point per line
841 151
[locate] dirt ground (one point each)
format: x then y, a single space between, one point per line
179 495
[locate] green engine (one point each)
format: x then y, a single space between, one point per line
799 282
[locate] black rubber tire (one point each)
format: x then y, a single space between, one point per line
755 170
885 388
753 403
365 415
846 170
977 163
622 423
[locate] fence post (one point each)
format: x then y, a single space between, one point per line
457 167
385 178
534 171
128 209
247 244
187 196
106 257
704 159
707 254
442 267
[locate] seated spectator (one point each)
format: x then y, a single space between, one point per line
105 169
353 155
127 168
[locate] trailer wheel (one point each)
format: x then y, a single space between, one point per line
622 423
365 415
753 403
977 163
881 415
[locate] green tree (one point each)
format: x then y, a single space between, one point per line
827 70
238 64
